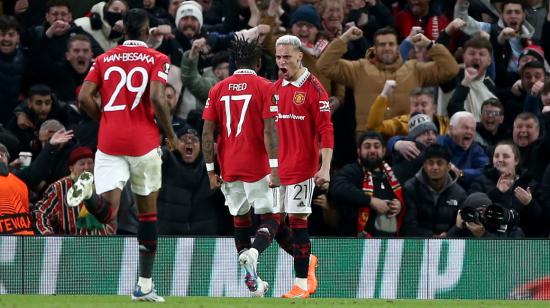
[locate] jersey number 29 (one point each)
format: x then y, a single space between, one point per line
126 81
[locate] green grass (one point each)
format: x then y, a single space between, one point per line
223 302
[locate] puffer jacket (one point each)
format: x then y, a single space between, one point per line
430 212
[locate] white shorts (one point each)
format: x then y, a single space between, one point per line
144 172
296 198
241 196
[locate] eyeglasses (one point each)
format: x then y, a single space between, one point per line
491 113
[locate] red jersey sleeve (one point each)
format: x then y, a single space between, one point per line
161 69
270 109
94 75
210 113
321 112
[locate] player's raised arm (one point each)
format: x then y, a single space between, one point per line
86 99
162 111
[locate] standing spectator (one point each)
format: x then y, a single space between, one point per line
105 23
533 142
432 196
14 204
368 76
508 36
13 63
129 139
511 186
535 14
246 132
304 125
472 86
420 13
467 157
54 216
370 188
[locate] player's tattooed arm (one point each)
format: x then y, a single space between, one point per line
86 99
271 138
162 112
271 141
208 141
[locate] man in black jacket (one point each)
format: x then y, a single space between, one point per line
186 204
432 196
368 192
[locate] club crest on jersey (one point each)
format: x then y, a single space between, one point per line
299 98
275 98
166 67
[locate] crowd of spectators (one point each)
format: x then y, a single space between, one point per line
441 112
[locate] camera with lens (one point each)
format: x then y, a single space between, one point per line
494 218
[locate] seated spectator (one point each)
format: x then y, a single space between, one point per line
467 157
489 131
432 196
13 64
53 215
478 222
370 188
105 23
506 183
421 101
422 132
14 200
186 204
533 142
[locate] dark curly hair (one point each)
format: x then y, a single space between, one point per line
245 53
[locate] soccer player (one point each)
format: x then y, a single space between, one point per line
242 110
131 79
303 119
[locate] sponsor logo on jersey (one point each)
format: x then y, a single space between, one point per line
291 117
299 98
238 86
273 109
324 106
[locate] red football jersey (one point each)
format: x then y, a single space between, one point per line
303 121
239 104
124 75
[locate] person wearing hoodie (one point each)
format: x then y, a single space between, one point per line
105 23
513 187
367 76
433 196
509 36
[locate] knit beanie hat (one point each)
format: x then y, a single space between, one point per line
306 13
420 123
533 50
189 8
80 153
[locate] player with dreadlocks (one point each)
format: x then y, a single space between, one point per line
242 109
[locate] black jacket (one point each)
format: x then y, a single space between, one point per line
430 212
529 214
186 204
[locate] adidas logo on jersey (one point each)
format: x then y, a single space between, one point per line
301 204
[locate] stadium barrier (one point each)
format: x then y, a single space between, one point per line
350 268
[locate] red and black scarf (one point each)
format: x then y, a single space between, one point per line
368 188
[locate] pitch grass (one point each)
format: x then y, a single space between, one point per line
15 301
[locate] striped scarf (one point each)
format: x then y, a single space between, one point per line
368 188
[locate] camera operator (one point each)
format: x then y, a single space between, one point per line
480 218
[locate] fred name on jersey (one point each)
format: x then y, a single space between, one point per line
238 86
